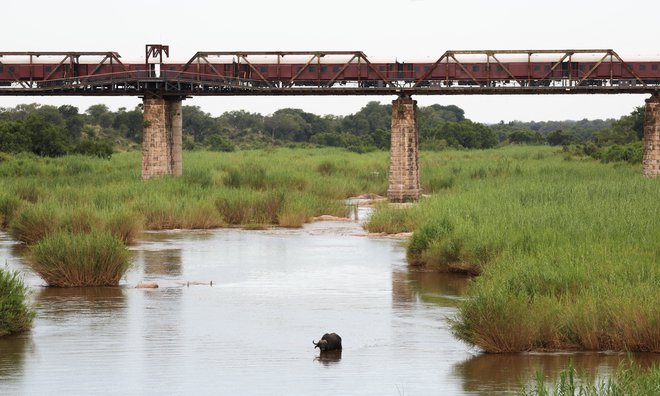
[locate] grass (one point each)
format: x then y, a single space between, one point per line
284 187
567 251
629 379
66 259
15 314
50 201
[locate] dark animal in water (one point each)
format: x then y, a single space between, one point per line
329 342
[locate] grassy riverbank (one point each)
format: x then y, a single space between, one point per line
281 187
15 313
73 211
629 379
567 250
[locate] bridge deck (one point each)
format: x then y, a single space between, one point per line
187 87
488 72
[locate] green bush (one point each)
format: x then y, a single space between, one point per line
9 206
94 148
249 207
631 153
71 260
35 222
15 313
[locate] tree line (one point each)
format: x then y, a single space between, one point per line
52 131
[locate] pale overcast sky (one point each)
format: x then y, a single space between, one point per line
403 29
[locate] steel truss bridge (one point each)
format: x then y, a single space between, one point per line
488 72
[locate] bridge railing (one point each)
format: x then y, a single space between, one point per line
332 73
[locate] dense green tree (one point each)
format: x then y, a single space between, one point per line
129 124
198 123
218 142
51 131
465 134
73 121
288 125
93 148
13 138
626 129
241 121
99 114
371 117
46 139
561 138
522 136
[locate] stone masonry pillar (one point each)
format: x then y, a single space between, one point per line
176 124
404 152
651 159
162 138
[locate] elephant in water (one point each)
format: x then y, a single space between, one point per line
329 342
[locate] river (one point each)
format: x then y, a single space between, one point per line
236 313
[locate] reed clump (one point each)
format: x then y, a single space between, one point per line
393 219
630 378
566 250
9 206
35 222
16 314
124 224
67 259
41 197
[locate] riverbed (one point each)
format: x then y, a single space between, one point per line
236 312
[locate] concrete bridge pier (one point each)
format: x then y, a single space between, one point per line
162 137
651 159
404 152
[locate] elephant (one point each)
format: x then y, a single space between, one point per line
329 342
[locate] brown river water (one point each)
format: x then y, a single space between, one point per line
250 332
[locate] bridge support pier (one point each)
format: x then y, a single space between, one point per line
404 152
651 159
162 137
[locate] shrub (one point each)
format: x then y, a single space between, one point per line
429 233
94 148
327 168
296 211
15 314
252 176
124 225
392 220
246 206
72 260
35 222
630 153
9 206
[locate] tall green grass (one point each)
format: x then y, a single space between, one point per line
629 379
284 187
67 259
567 251
15 313
49 203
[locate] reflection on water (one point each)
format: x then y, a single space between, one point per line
273 292
57 302
329 358
484 373
14 350
410 285
162 262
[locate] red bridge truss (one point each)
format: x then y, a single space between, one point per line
326 73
